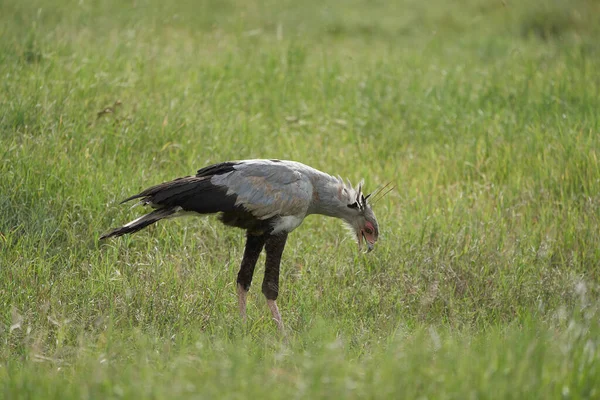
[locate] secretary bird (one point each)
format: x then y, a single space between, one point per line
267 198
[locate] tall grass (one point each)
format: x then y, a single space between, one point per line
484 115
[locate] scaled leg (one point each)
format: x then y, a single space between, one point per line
274 248
254 245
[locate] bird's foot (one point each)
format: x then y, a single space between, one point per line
242 296
276 315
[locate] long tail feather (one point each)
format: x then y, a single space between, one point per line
140 223
188 194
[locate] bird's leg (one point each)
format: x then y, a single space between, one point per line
274 248
242 296
254 245
276 314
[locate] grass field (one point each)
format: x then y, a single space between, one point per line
485 114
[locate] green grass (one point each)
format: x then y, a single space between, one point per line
484 114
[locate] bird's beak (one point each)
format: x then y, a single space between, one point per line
370 245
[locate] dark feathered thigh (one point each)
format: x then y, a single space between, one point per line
240 218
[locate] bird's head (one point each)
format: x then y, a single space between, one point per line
361 219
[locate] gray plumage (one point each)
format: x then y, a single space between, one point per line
267 198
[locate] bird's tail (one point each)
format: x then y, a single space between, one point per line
141 222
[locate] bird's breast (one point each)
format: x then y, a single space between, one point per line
286 224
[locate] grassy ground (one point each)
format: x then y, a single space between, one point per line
485 282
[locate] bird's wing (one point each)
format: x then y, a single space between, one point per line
268 188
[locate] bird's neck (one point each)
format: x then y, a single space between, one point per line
330 197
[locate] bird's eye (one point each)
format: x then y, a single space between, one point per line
368 231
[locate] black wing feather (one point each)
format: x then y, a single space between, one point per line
190 193
217 169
